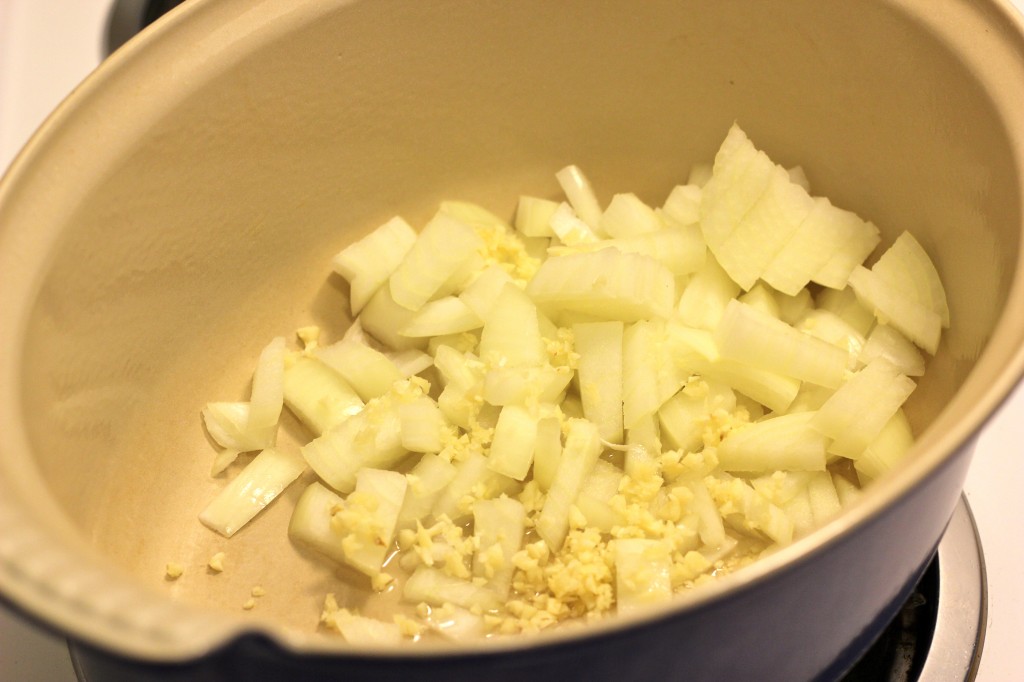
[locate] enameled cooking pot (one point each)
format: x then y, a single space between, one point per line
181 208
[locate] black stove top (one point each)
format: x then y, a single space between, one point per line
128 17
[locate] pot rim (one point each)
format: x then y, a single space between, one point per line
133 621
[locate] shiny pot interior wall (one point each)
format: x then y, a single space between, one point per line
238 162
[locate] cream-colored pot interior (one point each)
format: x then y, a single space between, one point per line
182 207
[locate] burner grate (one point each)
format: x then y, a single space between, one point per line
938 634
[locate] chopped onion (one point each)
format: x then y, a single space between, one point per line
318 396
441 249
580 195
860 408
642 573
786 442
580 452
254 488
627 216
533 216
498 524
434 586
600 369
368 263
368 371
619 397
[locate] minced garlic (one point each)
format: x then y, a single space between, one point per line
216 563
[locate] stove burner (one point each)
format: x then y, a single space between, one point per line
128 17
938 634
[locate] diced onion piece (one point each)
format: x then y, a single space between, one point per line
369 518
649 375
547 451
684 342
570 229
427 479
463 376
464 274
410 361
515 436
832 329
599 345
473 476
421 424
798 509
581 450
792 308
251 426
628 216
435 587
798 176
363 631
372 438
891 307
704 299
748 335
456 623
254 488
368 371
533 216
908 269
823 498
846 490
785 442
886 342
836 273
860 408
774 391
886 451
442 248
356 333
684 416
808 256
845 304
740 175
810 398
371 526
525 385
642 573
267 395
710 526
448 315
682 206
598 490
227 424
607 283
680 249
498 527
481 294
462 369
318 396
311 521
222 461
765 229
644 441
382 318
511 334
580 195
369 262
763 299
748 510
